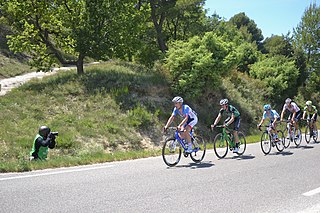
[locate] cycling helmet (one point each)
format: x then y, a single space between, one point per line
224 101
309 103
267 107
177 99
288 101
44 131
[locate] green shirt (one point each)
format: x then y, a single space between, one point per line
312 111
231 110
43 150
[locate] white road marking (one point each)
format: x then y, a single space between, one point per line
55 173
312 192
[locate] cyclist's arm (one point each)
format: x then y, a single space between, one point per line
169 121
261 122
304 114
183 121
282 114
231 120
217 120
293 116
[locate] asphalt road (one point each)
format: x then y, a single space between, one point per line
285 182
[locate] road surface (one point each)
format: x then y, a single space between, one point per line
285 182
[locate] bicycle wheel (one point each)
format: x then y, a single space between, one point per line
315 134
297 140
171 152
220 146
307 134
242 143
281 142
199 145
286 142
265 143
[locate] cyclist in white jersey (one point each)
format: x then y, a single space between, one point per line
294 110
189 117
273 116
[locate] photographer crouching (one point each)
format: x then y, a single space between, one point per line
44 140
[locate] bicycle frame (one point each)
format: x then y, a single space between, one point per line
225 135
177 137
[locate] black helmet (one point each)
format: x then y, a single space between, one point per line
44 131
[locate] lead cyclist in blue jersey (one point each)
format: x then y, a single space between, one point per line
273 116
189 117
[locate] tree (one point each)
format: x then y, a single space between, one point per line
244 23
306 37
198 64
279 74
278 45
68 30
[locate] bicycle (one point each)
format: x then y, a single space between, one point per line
268 140
225 141
310 132
291 132
171 151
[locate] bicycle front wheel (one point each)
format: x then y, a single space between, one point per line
297 140
281 142
220 146
199 147
315 134
242 143
307 133
171 152
286 142
265 143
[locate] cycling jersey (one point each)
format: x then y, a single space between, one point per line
271 115
187 111
294 107
312 111
231 110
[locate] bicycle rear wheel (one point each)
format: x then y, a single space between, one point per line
307 133
242 143
281 142
171 152
297 140
220 146
199 145
265 143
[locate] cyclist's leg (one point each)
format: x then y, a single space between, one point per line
296 120
236 128
189 125
315 121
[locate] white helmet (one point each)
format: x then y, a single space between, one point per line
288 101
177 99
224 101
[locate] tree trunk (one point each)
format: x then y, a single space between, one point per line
80 70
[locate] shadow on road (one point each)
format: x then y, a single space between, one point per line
305 147
284 153
241 157
201 165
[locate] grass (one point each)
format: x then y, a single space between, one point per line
110 113
10 67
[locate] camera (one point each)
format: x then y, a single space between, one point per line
54 133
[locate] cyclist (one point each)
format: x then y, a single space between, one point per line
273 116
308 110
189 117
295 113
233 117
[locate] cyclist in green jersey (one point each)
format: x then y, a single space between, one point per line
309 110
233 118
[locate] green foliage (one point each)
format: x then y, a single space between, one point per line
278 45
279 74
198 64
247 54
244 23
